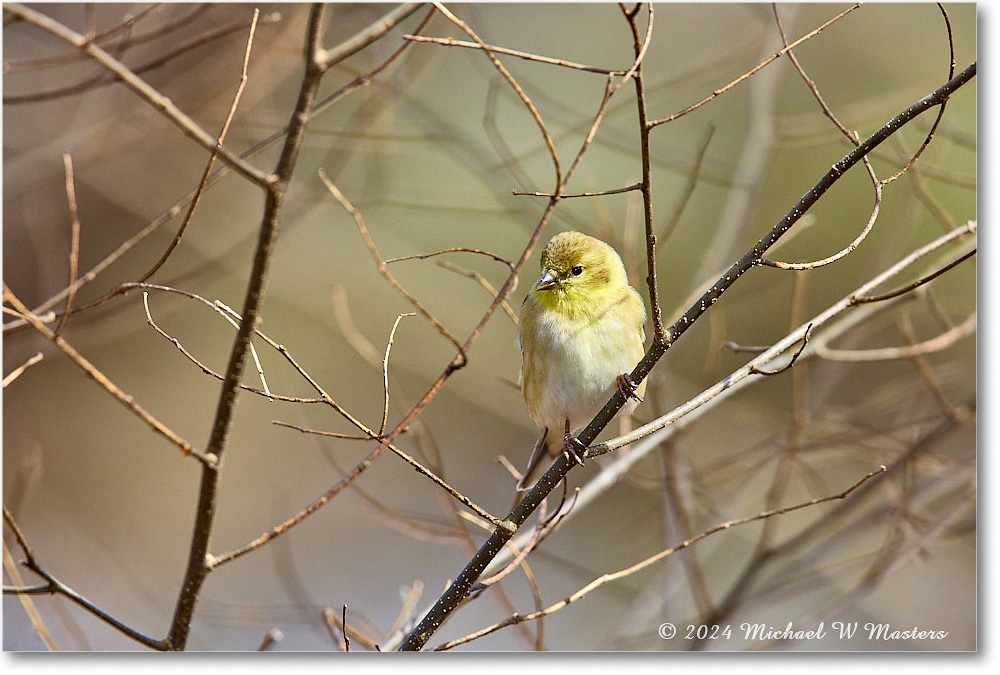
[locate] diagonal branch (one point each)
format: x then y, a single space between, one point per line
208 459
462 584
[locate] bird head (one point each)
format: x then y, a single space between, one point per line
578 271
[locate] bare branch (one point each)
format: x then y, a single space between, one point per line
912 351
140 87
208 459
16 373
74 247
452 42
381 264
850 247
211 160
517 88
385 372
643 564
750 73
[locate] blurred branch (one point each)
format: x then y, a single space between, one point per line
53 586
127 23
144 90
750 73
517 88
208 459
382 267
643 564
911 351
460 588
74 247
101 80
175 209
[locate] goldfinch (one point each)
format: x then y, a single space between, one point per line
580 334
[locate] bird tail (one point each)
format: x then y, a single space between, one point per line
535 469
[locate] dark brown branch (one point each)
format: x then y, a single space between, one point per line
198 566
567 195
53 586
459 589
791 362
937 120
916 284
643 564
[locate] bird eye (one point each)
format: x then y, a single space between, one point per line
577 270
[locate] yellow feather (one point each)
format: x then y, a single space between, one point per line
581 327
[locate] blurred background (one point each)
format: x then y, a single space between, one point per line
430 152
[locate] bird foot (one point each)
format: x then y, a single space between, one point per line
573 449
627 387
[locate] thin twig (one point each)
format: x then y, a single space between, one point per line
937 120
481 280
27 602
234 319
208 459
53 586
16 373
858 299
809 81
643 564
385 372
514 84
452 42
218 307
160 102
74 247
453 249
850 247
381 264
757 370
569 195
211 160
752 71
321 432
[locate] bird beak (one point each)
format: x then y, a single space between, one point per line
547 282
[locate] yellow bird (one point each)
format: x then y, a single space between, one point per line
580 334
